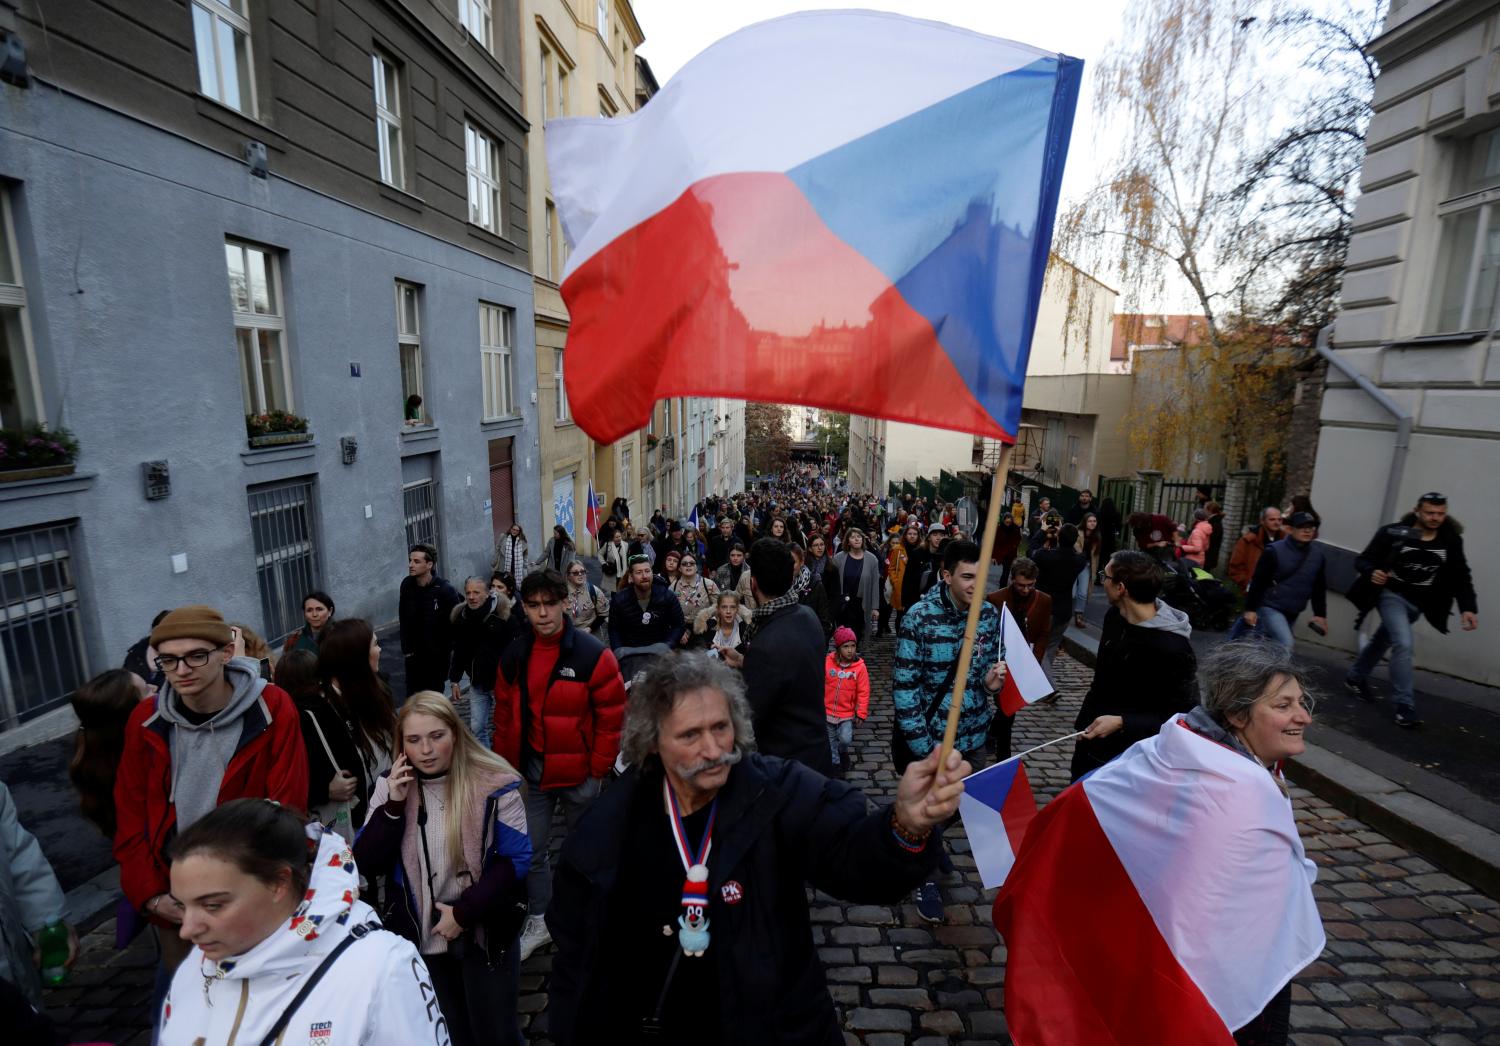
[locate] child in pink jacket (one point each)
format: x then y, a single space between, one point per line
846 694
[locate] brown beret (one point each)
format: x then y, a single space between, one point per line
194 622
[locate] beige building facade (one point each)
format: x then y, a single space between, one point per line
579 59
1419 310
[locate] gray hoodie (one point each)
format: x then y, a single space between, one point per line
201 751
1169 619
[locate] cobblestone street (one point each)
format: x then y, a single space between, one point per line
1413 954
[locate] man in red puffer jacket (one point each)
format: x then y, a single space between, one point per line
559 705
216 731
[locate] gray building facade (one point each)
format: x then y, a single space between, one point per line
220 209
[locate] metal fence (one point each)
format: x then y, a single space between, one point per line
419 504
283 520
42 657
1179 497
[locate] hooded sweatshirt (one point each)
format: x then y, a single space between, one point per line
1145 674
201 750
377 992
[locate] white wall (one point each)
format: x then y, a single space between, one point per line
915 450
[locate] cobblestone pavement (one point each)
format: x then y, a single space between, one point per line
1413 954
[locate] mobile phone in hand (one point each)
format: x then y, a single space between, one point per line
1319 629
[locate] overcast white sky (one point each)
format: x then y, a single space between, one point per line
676 30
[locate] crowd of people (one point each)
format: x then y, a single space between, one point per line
694 707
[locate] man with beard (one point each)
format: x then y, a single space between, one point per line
688 873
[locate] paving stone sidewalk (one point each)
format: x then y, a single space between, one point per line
1413 954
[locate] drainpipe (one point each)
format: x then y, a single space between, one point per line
1403 419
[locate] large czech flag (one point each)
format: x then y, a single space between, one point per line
1165 898
851 210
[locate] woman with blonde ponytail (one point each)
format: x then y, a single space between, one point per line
448 825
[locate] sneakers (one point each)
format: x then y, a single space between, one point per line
1407 719
930 902
533 935
1359 688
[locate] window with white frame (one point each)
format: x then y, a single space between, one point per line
20 398
409 345
387 75
603 12
627 462
483 159
478 20
550 268
563 412
562 89
1467 275
497 338
544 64
221 38
259 327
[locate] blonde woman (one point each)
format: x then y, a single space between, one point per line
449 826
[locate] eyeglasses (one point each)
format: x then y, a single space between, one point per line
1102 577
193 659
637 558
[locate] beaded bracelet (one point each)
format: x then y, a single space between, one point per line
907 841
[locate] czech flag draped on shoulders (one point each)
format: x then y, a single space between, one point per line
1164 898
850 210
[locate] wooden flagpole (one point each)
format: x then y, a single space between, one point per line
966 651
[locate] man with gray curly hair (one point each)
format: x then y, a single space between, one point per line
679 907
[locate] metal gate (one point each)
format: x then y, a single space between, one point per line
42 657
1179 497
419 504
283 520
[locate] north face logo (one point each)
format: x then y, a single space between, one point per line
567 673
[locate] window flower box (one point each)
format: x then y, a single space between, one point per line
35 452
276 439
275 428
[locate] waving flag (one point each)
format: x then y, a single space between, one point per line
1165 898
996 806
1025 682
591 515
851 210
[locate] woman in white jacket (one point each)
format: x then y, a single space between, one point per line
281 943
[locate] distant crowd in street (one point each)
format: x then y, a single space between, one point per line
272 809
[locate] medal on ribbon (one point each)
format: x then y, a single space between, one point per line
692 934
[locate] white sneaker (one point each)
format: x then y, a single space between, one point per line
533 935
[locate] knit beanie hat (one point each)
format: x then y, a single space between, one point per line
194 622
843 634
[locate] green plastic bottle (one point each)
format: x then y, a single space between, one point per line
53 943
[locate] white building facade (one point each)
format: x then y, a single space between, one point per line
1419 310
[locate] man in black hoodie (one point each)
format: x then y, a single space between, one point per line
1411 569
1146 671
425 606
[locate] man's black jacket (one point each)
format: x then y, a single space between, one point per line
784 682
424 611
1453 580
778 827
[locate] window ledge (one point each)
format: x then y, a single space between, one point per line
496 424
46 487
1428 340
241 124
479 232
419 439
401 196
284 452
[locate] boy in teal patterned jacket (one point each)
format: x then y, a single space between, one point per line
926 653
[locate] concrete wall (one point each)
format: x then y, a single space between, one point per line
1439 86
122 231
915 450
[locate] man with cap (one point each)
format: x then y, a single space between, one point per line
1289 574
1410 569
215 731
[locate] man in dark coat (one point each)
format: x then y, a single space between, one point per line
629 964
720 542
1146 671
783 662
645 619
425 611
1413 568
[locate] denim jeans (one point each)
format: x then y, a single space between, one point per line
482 714
1081 585
1397 615
540 807
1238 629
840 739
1276 626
